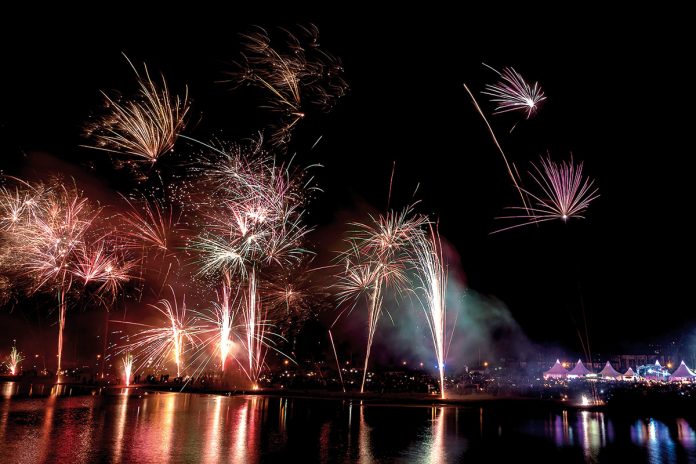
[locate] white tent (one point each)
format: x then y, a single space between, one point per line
630 375
609 372
578 371
682 373
557 371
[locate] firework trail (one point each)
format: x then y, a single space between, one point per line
127 367
148 226
104 265
46 242
378 257
14 359
432 275
295 76
513 93
252 219
497 144
564 193
143 127
177 336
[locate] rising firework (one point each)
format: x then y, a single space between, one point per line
127 367
513 93
252 224
47 243
171 341
564 194
14 359
295 75
432 293
379 255
141 128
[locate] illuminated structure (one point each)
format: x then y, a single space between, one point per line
609 373
682 374
578 371
653 372
557 371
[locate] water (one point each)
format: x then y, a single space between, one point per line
171 427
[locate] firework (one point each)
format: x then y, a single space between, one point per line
47 244
144 127
564 194
432 275
295 76
252 225
378 257
14 359
149 226
513 93
177 336
127 367
105 266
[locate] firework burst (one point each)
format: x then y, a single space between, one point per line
295 76
127 361
379 255
14 359
171 341
513 93
564 194
144 127
432 293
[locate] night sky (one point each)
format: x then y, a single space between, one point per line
618 97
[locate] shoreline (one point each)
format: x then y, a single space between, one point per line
643 405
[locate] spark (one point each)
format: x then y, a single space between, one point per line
432 275
564 193
513 93
144 127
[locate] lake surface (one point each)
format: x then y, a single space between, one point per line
172 427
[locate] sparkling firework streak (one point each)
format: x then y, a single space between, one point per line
379 255
178 336
14 359
148 226
565 193
432 294
295 76
104 265
144 127
127 367
513 93
47 243
252 213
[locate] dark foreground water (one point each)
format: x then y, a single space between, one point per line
171 427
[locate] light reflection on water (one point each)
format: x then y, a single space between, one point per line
131 426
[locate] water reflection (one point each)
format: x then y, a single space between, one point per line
165 427
656 437
364 448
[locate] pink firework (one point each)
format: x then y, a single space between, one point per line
378 256
513 93
564 193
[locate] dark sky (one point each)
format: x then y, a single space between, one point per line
619 98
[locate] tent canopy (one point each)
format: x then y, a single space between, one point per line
609 371
579 370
